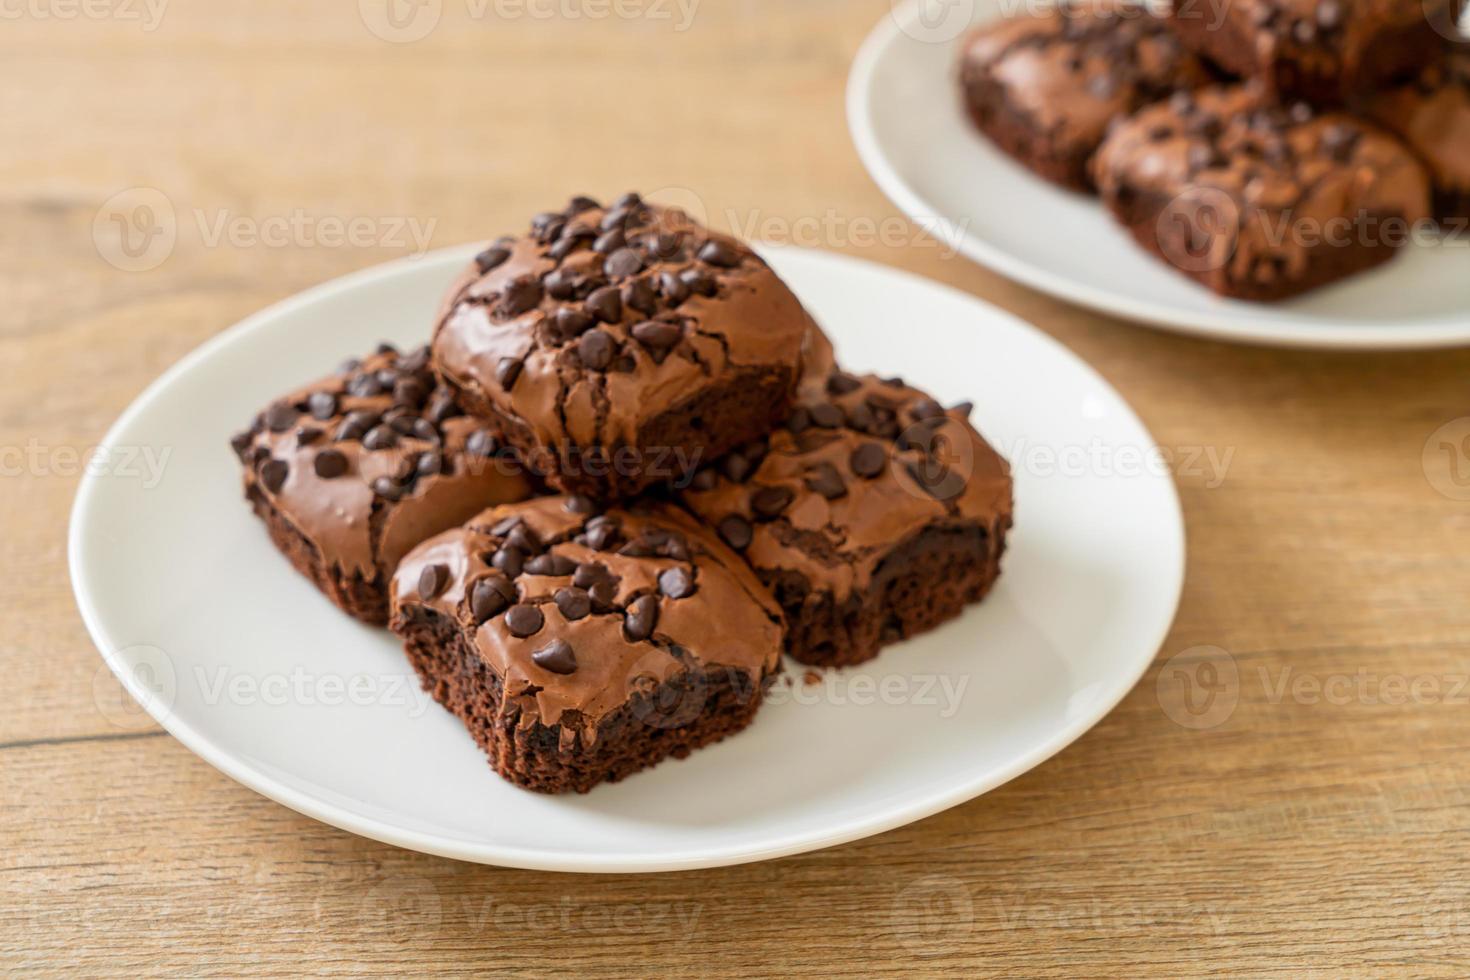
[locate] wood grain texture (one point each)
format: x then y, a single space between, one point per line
1299 834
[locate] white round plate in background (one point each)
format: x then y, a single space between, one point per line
910 128
247 665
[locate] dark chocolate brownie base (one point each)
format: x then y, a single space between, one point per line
1312 71
672 446
1019 138
1141 214
667 722
921 584
359 598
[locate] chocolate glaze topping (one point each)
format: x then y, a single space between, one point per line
862 464
1432 114
371 461
1072 69
593 605
598 319
1264 172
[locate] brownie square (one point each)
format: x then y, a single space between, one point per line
616 348
1322 51
1258 202
353 471
873 514
580 645
1045 85
1432 115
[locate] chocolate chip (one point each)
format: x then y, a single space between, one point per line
1203 157
560 284
523 539
622 263
673 288
582 203
826 415
510 561
430 464
565 246
615 218
719 253
705 479
1304 31
769 502
441 407
596 349
736 467
602 537
926 408
409 392
630 200
1329 14
492 257
381 437
736 531
825 480
641 618
307 434
432 580
840 383
868 460
388 488
676 583
589 573
273 474
281 417
606 304
549 564
610 242
569 324
657 335
240 442
481 443
322 405
580 504
574 603
557 657
329 464
489 596
507 370
520 296
364 386
699 282
639 294
523 620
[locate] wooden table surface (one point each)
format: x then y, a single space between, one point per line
1311 820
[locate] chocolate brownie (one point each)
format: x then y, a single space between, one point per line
1319 50
579 645
353 471
1432 115
1045 86
873 514
618 347
1256 201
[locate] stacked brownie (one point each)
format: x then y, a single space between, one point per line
625 476
1263 148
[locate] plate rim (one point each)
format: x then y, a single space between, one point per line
1225 325
548 859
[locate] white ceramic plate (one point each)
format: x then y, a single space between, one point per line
910 129
238 657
